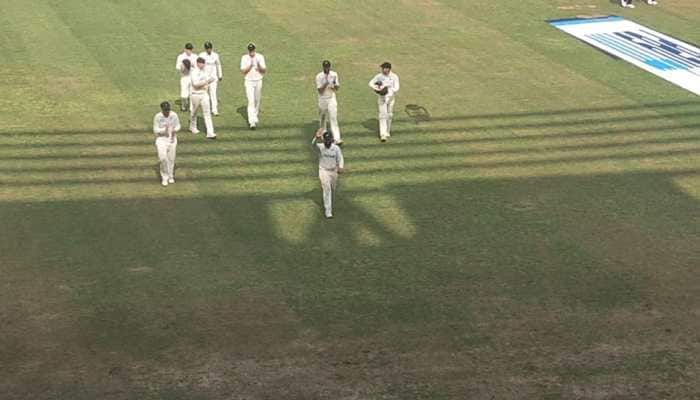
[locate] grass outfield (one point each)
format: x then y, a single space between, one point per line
537 238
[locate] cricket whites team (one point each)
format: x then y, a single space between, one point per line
200 76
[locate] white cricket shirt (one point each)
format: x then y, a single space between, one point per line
199 77
183 56
329 158
322 79
391 81
161 124
213 64
253 74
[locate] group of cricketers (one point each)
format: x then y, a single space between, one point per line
199 80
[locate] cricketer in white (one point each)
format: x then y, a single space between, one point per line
185 74
389 81
200 98
327 84
165 125
253 67
330 164
213 68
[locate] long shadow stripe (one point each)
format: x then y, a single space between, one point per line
302 158
218 151
453 164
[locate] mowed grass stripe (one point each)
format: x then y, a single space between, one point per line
247 157
457 164
677 164
467 123
406 143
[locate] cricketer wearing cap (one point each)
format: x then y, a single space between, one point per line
385 85
213 68
165 125
184 63
200 98
253 68
327 84
330 164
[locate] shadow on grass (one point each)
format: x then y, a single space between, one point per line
592 126
417 113
243 112
498 268
371 125
441 164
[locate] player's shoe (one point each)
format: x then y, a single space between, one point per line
252 127
171 180
383 139
339 142
194 131
164 182
652 2
215 113
212 137
329 215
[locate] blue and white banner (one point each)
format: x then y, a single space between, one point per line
671 59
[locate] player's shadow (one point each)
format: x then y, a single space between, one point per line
371 124
417 113
243 112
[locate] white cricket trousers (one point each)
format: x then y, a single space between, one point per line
213 89
329 180
166 156
253 91
386 114
328 113
201 100
184 86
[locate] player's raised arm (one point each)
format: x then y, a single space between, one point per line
317 135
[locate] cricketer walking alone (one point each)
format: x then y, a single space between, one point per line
385 85
327 84
330 164
253 67
165 125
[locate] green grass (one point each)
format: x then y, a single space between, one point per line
537 238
